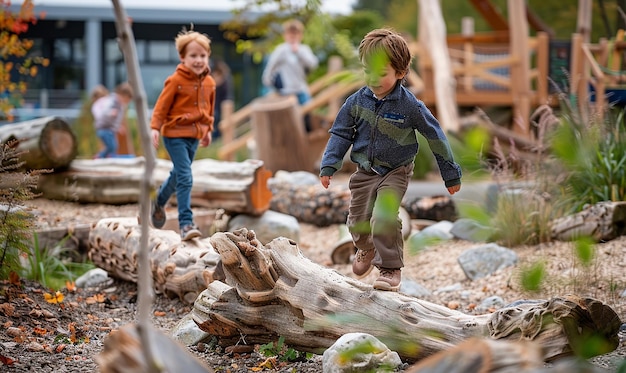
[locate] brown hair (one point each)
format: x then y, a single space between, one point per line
388 44
293 25
187 36
98 92
124 89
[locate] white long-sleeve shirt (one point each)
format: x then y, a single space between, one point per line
292 67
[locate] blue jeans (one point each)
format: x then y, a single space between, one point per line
182 152
109 139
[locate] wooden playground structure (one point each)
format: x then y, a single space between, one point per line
505 67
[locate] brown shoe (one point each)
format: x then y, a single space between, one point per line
362 263
389 279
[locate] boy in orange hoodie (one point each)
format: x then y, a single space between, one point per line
183 115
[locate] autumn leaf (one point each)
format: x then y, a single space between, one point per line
98 298
40 331
70 286
14 278
159 313
54 299
6 360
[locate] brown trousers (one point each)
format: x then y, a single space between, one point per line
373 215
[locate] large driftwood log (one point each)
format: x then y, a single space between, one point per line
179 268
47 143
239 187
603 221
275 291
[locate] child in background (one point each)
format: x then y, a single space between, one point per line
183 115
380 122
288 65
108 113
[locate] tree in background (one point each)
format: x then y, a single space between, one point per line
256 29
16 66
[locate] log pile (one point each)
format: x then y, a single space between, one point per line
311 203
239 187
179 269
46 143
274 290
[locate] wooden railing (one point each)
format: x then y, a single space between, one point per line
597 66
328 92
484 70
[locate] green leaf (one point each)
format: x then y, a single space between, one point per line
533 276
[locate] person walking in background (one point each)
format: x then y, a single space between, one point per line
223 91
380 122
108 113
183 116
289 64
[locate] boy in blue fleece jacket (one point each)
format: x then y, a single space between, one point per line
380 122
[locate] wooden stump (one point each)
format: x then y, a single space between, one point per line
280 134
275 291
48 143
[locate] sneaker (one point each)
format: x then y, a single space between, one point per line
189 232
158 216
362 263
388 280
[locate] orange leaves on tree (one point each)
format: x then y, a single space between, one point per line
16 48
55 298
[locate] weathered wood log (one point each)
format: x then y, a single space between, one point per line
239 187
274 290
47 143
122 353
603 221
179 268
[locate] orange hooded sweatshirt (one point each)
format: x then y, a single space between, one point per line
186 105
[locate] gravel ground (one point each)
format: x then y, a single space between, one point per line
38 336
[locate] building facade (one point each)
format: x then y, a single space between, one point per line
81 44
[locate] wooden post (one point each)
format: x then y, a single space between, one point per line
279 132
583 29
227 129
520 77
435 42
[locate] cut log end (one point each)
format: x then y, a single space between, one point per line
58 142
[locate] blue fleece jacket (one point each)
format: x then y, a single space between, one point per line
382 134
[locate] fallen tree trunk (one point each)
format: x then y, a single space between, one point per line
275 291
239 187
47 143
603 221
179 268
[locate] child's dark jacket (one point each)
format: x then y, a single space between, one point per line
382 134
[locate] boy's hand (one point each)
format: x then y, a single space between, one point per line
325 181
155 138
454 189
206 140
